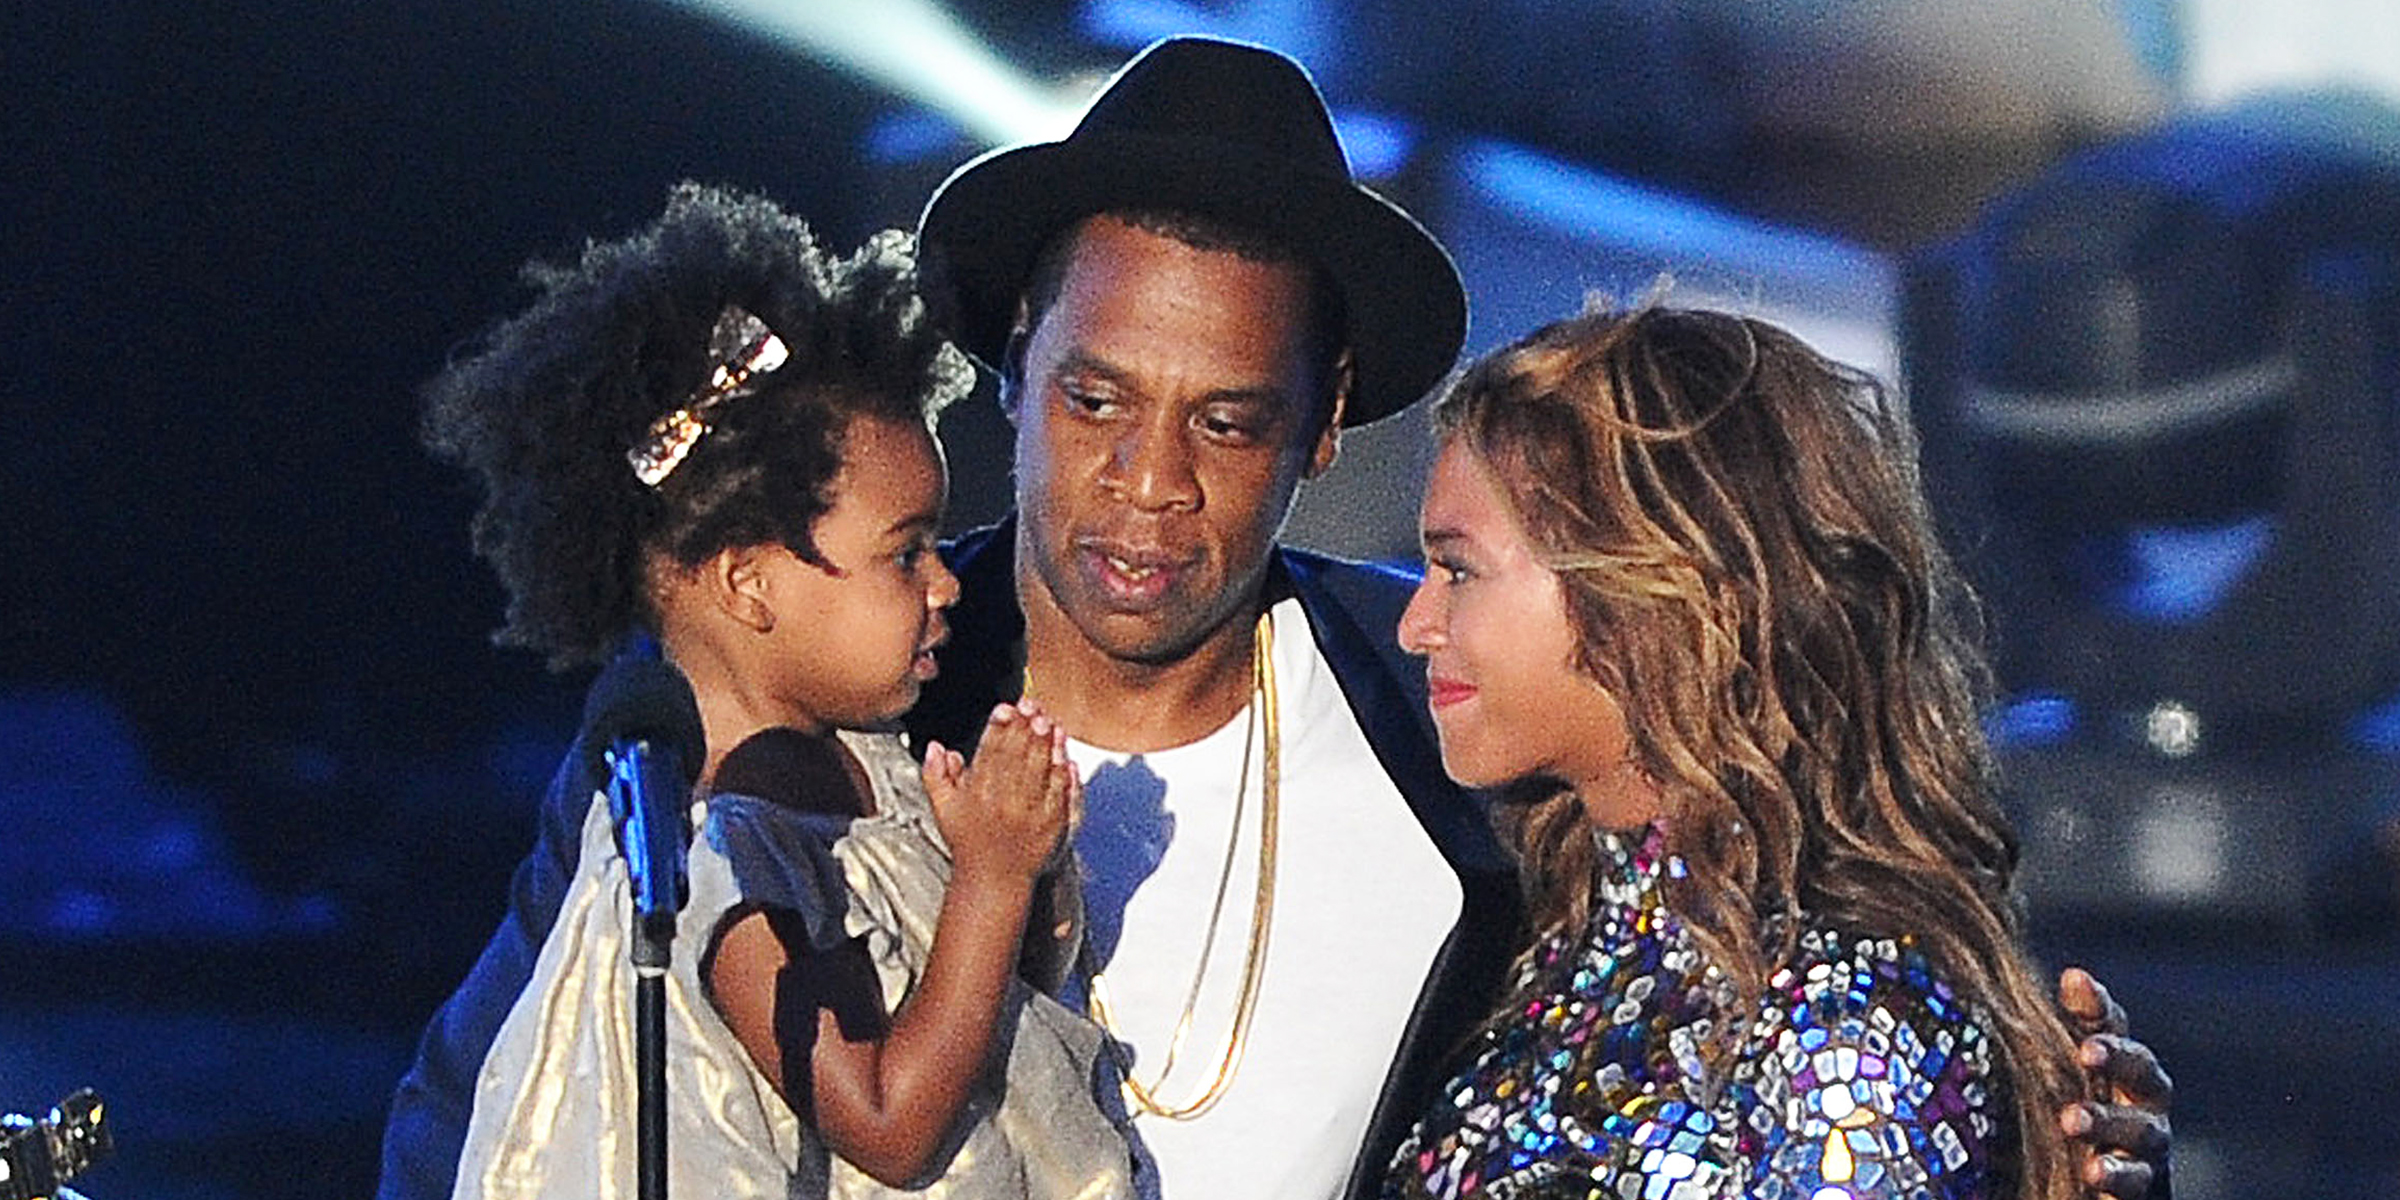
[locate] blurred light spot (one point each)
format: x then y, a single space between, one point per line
910 135
1378 143
2180 575
82 912
2063 825
2180 843
2035 719
2378 728
176 844
2172 729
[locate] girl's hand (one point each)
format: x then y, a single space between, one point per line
1006 815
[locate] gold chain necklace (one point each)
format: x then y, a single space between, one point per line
1265 713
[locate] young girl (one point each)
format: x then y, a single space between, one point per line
1685 612
714 435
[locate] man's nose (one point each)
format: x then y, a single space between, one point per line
1154 465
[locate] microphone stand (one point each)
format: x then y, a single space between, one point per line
653 843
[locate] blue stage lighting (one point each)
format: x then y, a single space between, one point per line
918 51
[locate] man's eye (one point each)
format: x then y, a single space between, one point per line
1234 428
1452 571
1087 401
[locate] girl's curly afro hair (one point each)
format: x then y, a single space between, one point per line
545 406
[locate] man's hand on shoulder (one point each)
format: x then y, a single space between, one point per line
2125 1134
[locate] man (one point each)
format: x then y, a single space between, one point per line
1186 300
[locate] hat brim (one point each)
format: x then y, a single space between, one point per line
988 223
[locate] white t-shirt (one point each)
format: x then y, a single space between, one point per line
1363 900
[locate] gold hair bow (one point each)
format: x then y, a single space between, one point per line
740 349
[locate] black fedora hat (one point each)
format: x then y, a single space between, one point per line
1223 129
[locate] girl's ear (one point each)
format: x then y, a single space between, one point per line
736 583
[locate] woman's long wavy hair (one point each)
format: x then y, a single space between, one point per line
1752 572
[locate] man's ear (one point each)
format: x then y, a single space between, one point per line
1329 439
1012 362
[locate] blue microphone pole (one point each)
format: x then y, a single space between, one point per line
645 724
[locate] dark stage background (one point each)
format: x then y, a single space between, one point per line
262 777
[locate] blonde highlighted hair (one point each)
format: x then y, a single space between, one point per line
1751 571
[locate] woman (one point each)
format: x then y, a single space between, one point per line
1685 612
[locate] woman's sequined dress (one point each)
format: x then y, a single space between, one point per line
1860 1075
